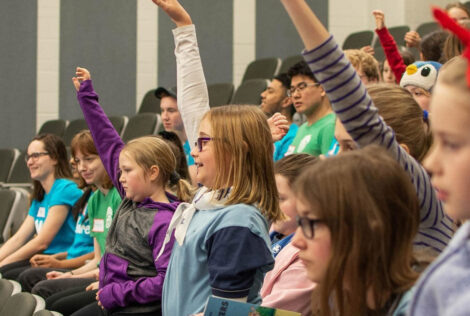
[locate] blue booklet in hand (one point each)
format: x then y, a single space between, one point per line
217 306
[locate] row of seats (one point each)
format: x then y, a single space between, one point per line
13 209
17 303
255 81
259 71
13 169
138 125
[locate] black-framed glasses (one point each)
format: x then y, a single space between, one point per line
201 142
301 87
308 225
35 155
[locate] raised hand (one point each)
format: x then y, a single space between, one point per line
379 19
412 39
175 11
368 50
81 74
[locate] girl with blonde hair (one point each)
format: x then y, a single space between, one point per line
141 170
223 245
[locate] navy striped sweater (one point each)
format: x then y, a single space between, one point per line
355 109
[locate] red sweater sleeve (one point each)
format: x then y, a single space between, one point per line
391 52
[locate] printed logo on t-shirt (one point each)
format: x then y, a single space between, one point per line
81 228
290 150
98 225
41 212
109 217
38 224
304 142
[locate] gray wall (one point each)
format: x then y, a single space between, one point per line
214 25
100 36
18 28
275 34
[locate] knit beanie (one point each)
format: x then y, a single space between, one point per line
422 74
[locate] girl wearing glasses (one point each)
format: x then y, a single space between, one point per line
92 227
357 217
49 218
223 246
131 275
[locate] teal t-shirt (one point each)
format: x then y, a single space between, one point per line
314 139
187 152
83 243
101 210
63 192
281 146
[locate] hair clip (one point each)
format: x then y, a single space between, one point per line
463 34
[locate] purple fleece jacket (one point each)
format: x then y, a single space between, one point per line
130 275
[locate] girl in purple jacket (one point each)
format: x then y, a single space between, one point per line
131 277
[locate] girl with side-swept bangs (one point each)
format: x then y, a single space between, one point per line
225 228
358 215
244 141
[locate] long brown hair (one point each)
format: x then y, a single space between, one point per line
370 206
401 112
55 147
243 149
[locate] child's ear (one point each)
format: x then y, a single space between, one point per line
154 173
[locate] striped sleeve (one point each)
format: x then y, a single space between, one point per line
354 107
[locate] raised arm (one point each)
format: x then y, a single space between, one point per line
389 45
353 105
107 141
193 98
309 27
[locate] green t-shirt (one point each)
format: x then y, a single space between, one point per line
101 210
314 139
